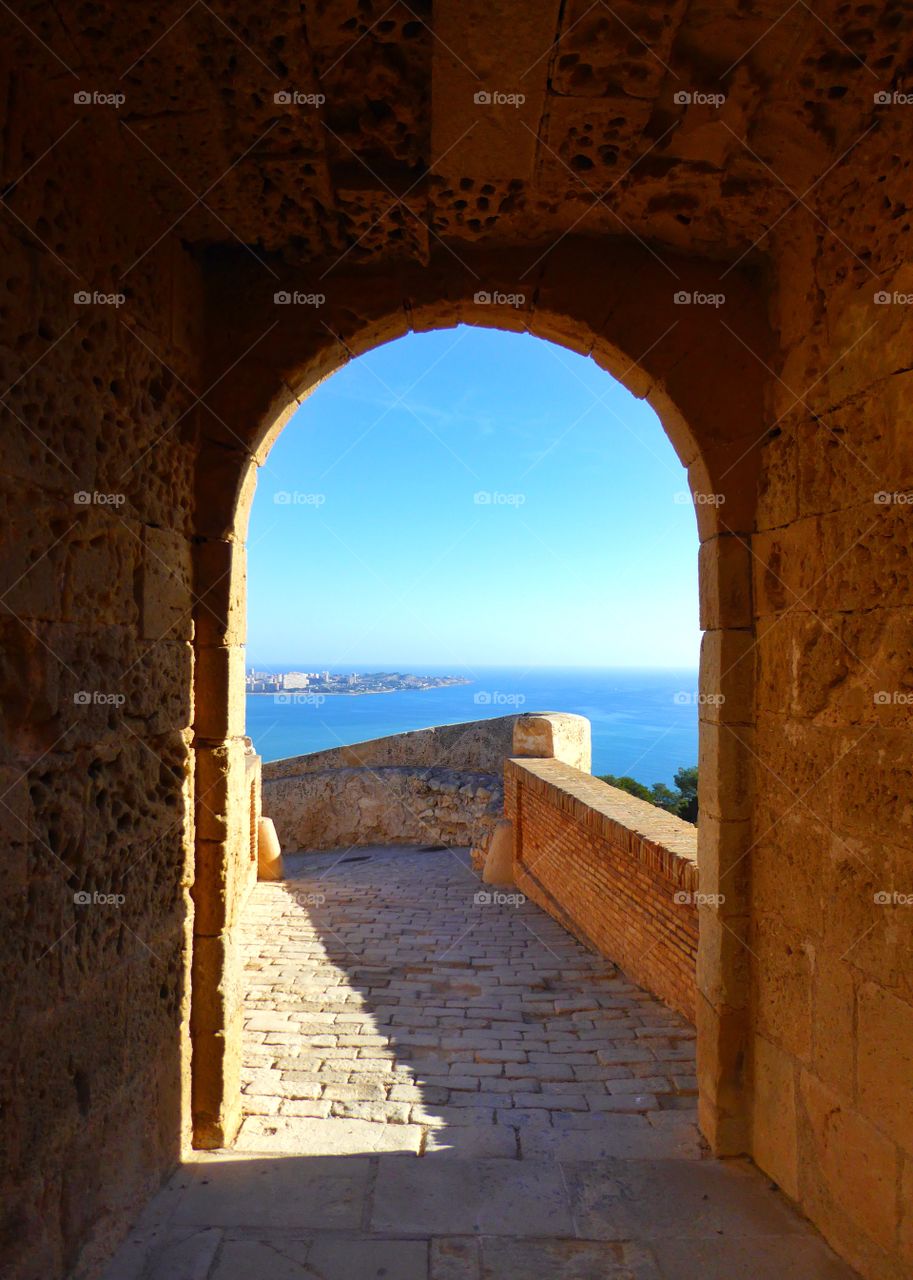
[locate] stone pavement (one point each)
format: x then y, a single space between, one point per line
441 1083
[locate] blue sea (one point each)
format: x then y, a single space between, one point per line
644 722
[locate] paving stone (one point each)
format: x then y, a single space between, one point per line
255 1105
569 1259
428 1115
523 1118
627 1137
542 1069
472 1142
317 1108
278 1258
360 1092
313 1137
249 1192
186 1256
675 1199
500 1197
552 1102
624 1102
455 1258
365 1259
377 1112
780 1258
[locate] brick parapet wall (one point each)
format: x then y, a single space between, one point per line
611 868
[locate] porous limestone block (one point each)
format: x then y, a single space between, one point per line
847 1168
219 693
166 586
774 1140
884 1058
724 583
720 1072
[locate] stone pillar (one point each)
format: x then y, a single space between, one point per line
226 854
725 841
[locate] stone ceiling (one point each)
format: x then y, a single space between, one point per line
376 131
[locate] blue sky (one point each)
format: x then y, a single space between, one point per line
471 497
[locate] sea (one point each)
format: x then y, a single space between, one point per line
644 722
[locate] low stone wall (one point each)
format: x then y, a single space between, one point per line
619 873
481 746
442 785
391 804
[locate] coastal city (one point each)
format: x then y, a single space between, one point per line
326 682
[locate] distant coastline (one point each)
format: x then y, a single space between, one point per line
311 685
354 693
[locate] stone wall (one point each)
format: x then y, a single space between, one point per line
619 873
96 678
442 785
390 804
828 920
480 746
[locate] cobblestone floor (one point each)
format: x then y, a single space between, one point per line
443 1084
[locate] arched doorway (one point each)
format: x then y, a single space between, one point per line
658 334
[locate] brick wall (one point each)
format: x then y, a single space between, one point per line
620 874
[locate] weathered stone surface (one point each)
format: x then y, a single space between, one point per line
349 808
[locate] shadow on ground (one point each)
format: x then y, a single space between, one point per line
441 1085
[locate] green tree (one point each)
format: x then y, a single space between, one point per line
663 798
625 783
686 781
682 801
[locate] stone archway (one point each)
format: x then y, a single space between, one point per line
625 308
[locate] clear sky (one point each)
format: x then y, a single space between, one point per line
372 544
